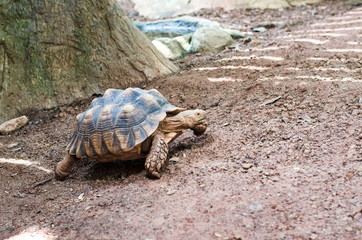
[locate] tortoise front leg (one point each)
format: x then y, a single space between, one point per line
64 167
157 158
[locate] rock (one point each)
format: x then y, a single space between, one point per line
170 48
210 39
359 171
246 165
185 41
8 146
174 159
171 191
247 40
182 25
350 174
218 235
13 124
235 34
218 37
259 29
313 236
313 198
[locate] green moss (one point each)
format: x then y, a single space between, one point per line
21 43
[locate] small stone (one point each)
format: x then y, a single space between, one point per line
313 236
13 124
171 192
247 40
174 159
246 165
81 196
225 124
349 174
313 198
259 29
12 145
349 229
218 235
359 171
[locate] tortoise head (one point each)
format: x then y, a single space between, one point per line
195 120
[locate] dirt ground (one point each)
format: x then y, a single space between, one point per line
281 158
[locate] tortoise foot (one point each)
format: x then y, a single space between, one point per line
64 167
157 159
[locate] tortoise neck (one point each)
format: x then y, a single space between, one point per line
175 123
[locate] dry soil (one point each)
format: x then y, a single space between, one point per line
281 158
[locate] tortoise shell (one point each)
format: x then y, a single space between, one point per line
118 121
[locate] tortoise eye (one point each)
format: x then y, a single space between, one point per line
198 114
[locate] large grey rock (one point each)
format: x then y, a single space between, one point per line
170 48
233 33
210 39
181 25
214 39
185 41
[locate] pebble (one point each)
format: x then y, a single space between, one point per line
12 145
313 236
246 165
81 196
247 40
218 235
259 29
174 159
13 124
171 192
313 198
349 229
349 174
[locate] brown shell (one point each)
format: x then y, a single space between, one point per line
118 121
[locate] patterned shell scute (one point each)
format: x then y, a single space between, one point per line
118 121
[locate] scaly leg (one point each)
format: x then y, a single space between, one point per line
157 158
64 167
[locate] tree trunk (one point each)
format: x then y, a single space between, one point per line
53 52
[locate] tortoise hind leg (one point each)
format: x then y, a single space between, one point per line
157 158
64 167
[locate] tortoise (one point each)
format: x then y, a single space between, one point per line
126 125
